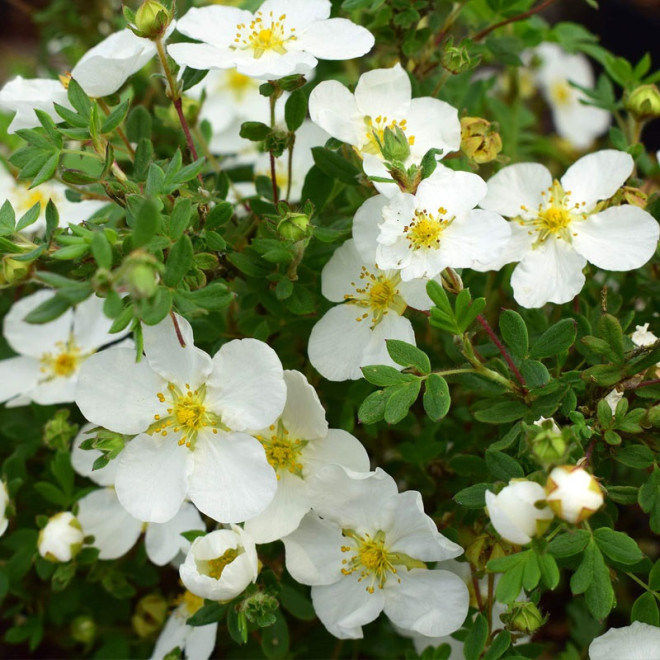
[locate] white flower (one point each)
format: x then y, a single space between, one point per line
116 531
572 493
613 398
580 124
638 641
4 501
513 511
643 336
100 71
383 100
195 642
61 539
363 549
220 565
558 226
191 413
352 335
23 199
50 354
297 446
284 37
423 234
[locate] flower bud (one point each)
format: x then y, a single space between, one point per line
479 141
573 494
457 59
514 511
61 539
395 145
547 441
294 227
141 273
644 102
150 615
58 433
220 565
523 617
83 630
152 19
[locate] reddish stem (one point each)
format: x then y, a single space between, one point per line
514 19
273 178
500 346
178 104
177 329
647 383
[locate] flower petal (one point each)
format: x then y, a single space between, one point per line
18 375
201 56
340 275
552 272
91 325
597 176
303 415
338 447
82 460
151 477
299 13
231 480
433 124
366 227
384 92
618 238
213 25
117 392
335 39
200 641
163 541
333 108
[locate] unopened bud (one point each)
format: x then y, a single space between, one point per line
294 227
547 441
150 615
83 630
644 102
457 59
61 539
523 617
573 494
395 145
152 19
634 196
58 433
141 273
479 140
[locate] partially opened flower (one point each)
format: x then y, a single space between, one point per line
559 226
643 336
191 413
383 99
297 446
638 641
573 494
575 121
420 235
194 642
61 539
50 354
220 565
282 38
363 549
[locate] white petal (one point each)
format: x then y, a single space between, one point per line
82 460
35 339
232 480
335 39
214 24
433 124
550 273
345 606
271 65
507 524
384 92
516 247
117 392
333 108
433 603
299 13
366 228
618 238
163 541
457 192
91 325
18 375
201 641
341 274
303 415
175 363
175 633
246 386
580 124
115 530
391 326
638 641
517 186
59 390
201 56
151 477
338 447
373 166
597 176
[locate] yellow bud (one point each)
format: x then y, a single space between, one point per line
479 140
644 102
150 614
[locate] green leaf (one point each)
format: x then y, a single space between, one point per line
436 399
557 338
156 308
384 376
599 595
535 373
101 250
502 466
295 109
649 499
138 124
466 310
255 131
510 584
623 494
219 215
654 576
297 603
569 543
499 646
47 170
500 412
275 638
635 456
78 99
210 612
179 261
506 563
618 546
30 217
373 407
549 570
473 497
514 333
584 575
147 223
400 399
214 297
476 639
115 118
49 310
645 609
335 165
610 330
408 355
531 572
7 219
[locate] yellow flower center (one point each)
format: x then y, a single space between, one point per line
186 414
372 560
191 602
561 92
425 229
262 35
283 452
63 363
378 293
237 83
214 567
26 199
375 133
554 219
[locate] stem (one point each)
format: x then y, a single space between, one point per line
643 584
177 329
477 590
289 169
443 79
646 383
489 611
500 346
273 100
514 19
469 354
81 152
119 129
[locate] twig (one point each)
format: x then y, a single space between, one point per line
177 329
514 19
500 346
